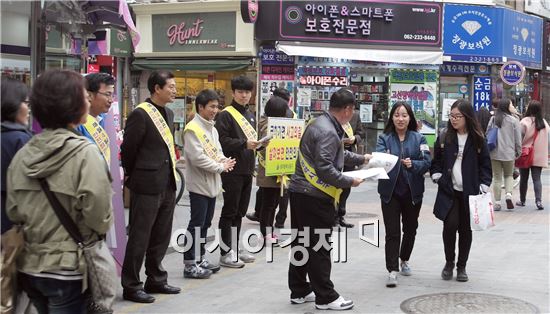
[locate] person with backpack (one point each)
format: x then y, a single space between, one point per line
462 140
534 130
507 150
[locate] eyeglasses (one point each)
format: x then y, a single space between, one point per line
108 95
456 117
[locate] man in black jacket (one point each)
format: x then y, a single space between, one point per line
314 188
148 159
238 137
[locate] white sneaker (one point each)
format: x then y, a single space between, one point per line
230 260
405 268
337 305
392 280
246 257
308 298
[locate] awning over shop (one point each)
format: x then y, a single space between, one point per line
363 54
191 64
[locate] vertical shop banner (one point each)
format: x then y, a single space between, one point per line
282 151
270 82
178 107
362 22
419 89
482 92
365 113
522 38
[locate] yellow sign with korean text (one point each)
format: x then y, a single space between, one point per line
282 152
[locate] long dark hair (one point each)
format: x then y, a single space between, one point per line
472 125
502 110
390 127
483 116
534 109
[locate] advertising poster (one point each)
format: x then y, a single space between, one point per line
303 98
270 82
419 89
178 107
365 113
446 108
282 151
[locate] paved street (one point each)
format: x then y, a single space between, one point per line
510 260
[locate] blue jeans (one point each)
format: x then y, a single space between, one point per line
52 296
202 211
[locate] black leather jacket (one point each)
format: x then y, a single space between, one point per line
321 146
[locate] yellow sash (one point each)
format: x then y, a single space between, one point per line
311 177
164 130
209 147
348 130
100 137
248 130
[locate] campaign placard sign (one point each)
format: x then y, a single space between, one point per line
282 152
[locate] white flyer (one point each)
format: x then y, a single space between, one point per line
382 160
372 173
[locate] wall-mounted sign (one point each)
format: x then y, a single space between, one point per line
522 34
214 31
482 92
512 72
278 69
120 43
361 22
270 56
319 80
325 71
461 68
419 89
463 89
249 10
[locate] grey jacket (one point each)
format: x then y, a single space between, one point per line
201 171
509 139
321 146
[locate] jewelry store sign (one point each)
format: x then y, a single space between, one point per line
192 32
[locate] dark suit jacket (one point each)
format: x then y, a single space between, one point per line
145 156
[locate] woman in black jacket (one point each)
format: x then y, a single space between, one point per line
462 140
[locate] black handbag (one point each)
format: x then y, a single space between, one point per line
100 265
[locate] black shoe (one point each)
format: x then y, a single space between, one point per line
539 205
138 296
253 217
196 272
344 223
461 274
207 265
163 288
447 272
520 203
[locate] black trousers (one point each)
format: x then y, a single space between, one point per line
236 196
315 213
149 235
392 212
458 219
280 218
270 201
342 205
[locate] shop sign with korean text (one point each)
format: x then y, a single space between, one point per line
512 72
522 38
419 89
282 151
462 68
323 76
482 92
362 22
192 32
270 56
472 33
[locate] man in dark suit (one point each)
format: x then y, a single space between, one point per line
148 160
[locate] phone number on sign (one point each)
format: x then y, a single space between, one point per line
419 37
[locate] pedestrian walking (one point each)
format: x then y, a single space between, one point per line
315 190
15 133
52 265
534 130
239 140
353 135
271 190
461 167
204 162
148 159
401 195
508 149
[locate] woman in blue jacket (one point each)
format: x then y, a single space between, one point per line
462 140
402 194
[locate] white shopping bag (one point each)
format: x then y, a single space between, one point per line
482 215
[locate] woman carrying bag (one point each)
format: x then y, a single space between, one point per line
534 130
51 266
462 140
